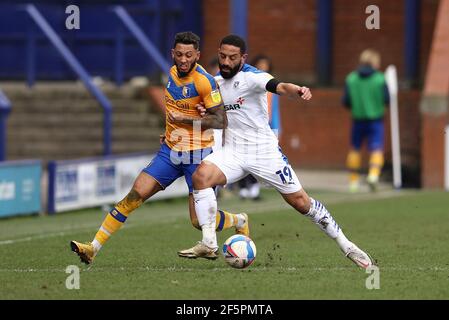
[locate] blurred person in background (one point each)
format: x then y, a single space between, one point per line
366 95
213 67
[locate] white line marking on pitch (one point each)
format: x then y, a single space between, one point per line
260 269
262 208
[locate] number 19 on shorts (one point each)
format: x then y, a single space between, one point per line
285 174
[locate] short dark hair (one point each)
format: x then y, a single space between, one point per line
236 41
187 37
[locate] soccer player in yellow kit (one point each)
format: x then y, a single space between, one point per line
186 142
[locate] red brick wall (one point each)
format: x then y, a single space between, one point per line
216 26
433 150
351 36
428 18
283 29
286 31
435 103
410 128
437 77
317 134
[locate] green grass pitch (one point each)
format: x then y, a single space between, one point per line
407 233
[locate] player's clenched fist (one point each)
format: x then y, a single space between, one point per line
201 109
305 93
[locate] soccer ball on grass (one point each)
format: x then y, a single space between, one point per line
239 251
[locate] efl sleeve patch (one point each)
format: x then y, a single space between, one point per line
216 96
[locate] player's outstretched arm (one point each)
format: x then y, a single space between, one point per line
293 90
214 118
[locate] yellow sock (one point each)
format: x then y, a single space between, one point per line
376 163
225 220
117 216
354 163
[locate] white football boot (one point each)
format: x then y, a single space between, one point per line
359 257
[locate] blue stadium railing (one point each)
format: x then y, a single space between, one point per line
146 43
79 70
105 44
102 44
83 74
5 109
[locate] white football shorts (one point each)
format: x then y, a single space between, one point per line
270 167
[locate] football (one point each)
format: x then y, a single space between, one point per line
239 251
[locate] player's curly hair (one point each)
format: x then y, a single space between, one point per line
236 41
187 37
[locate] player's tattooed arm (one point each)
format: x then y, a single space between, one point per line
203 112
213 118
293 90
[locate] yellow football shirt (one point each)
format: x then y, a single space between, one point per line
181 95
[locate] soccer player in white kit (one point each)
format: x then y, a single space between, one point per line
252 148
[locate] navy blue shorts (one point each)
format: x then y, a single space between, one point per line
169 165
372 130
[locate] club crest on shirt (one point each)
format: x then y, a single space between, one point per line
216 97
236 84
186 92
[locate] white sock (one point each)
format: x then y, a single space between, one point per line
240 220
323 219
97 246
343 242
244 193
209 235
254 190
319 214
206 208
